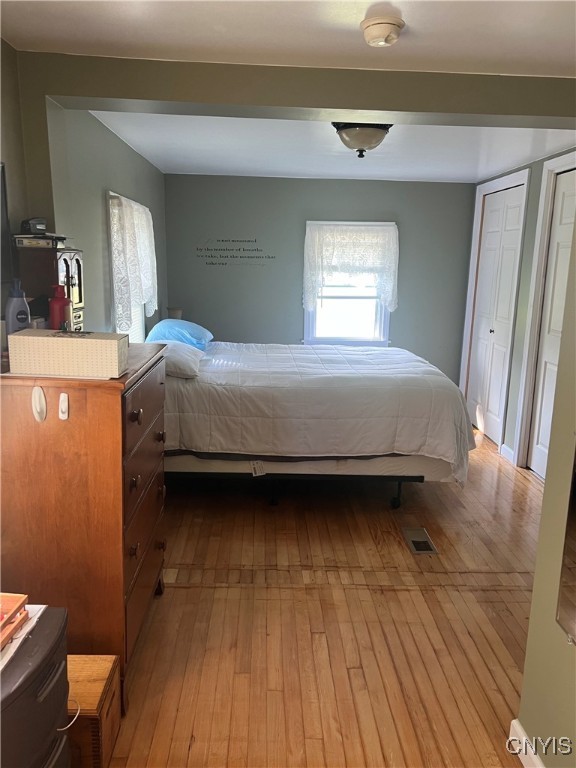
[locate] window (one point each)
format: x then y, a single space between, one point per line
350 271
134 285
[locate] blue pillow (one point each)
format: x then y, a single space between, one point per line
180 330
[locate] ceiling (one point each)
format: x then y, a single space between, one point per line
309 149
514 37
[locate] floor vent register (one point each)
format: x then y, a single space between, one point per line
419 541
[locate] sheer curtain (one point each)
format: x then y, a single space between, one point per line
345 251
134 284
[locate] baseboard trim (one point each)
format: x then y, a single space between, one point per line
507 453
528 760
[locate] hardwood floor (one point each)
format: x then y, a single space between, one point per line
304 632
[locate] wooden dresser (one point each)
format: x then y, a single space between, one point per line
82 500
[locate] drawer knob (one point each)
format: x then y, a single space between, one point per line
134 550
161 545
161 437
135 481
137 416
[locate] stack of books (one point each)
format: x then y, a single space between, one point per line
12 615
47 240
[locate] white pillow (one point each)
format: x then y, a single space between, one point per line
182 360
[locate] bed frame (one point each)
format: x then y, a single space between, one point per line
399 469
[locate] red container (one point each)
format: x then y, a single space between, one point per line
60 310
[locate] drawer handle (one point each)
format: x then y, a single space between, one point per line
161 437
137 416
51 681
135 481
55 758
134 550
162 490
161 545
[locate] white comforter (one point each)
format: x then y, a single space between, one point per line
318 401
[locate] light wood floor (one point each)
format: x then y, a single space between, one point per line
305 633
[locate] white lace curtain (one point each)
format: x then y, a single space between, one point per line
343 252
133 260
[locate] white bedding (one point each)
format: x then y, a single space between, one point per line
318 401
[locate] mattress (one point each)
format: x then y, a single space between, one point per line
318 401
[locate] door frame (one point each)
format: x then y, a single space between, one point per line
550 170
520 178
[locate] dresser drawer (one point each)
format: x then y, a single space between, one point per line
141 527
141 406
141 465
143 590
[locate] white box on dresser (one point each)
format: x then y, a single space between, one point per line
38 352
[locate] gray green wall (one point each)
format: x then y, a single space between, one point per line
11 137
429 98
85 82
548 702
12 148
87 160
260 300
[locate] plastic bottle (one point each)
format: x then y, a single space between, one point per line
60 310
17 311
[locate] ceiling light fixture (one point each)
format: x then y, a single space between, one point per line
361 136
382 30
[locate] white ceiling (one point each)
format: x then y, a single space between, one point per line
310 149
517 37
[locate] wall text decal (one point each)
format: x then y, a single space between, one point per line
224 251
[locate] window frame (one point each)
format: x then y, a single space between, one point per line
382 314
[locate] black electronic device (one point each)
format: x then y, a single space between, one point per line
35 226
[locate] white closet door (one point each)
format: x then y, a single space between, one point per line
494 308
560 241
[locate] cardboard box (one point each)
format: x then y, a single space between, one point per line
36 352
95 691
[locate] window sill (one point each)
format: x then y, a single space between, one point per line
349 342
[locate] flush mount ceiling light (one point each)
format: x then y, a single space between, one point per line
382 30
361 136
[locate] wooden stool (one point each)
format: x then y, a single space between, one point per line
95 688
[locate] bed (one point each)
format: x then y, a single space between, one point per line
318 409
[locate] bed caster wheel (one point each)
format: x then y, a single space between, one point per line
395 502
